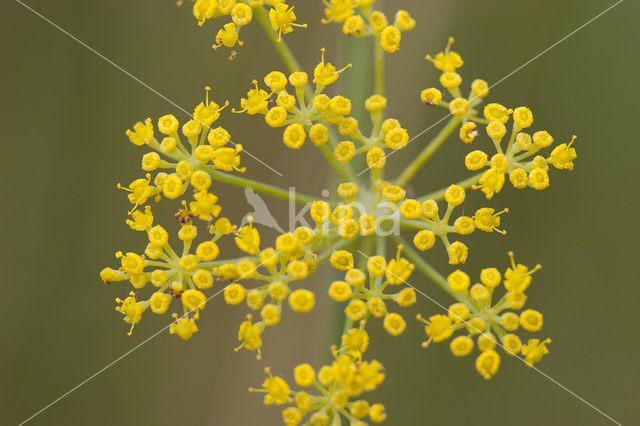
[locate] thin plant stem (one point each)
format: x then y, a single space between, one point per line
427 269
379 67
428 151
265 188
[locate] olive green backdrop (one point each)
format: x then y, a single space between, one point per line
64 113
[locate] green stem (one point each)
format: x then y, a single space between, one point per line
410 171
439 194
379 67
428 270
265 188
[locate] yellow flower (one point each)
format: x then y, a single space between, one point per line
256 101
394 324
406 297
438 328
399 269
511 344
376 158
396 138
563 155
377 413
377 307
234 294
490 277
141 221
450 80
488 363
204 206
531 320
340 105
459 107
276 116
270 314
490 183
325 73
203 279
534 350
194 300
287 243
487 220
496 130
356 309
542 139
448 60
375 103
468 132
522 117
278 390
142 133
458 312
282 17
458 253
404 21
454 195
461 346
347 190
319 134
345 151
294 136
378 21
338 10
204 9
480 88
248 239
183 327
173 187
302 301
159 302
431 97
241 14
496 112
355 341
227 159
354 25
304 375
298 270
459 281
340 291
251 336
390 39
538 178
207 251
464 225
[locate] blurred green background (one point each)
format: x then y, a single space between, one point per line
64 149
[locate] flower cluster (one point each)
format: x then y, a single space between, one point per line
336 388
359 19
302 118
350 230
281 17
478 317
207 152
514 156
367 297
